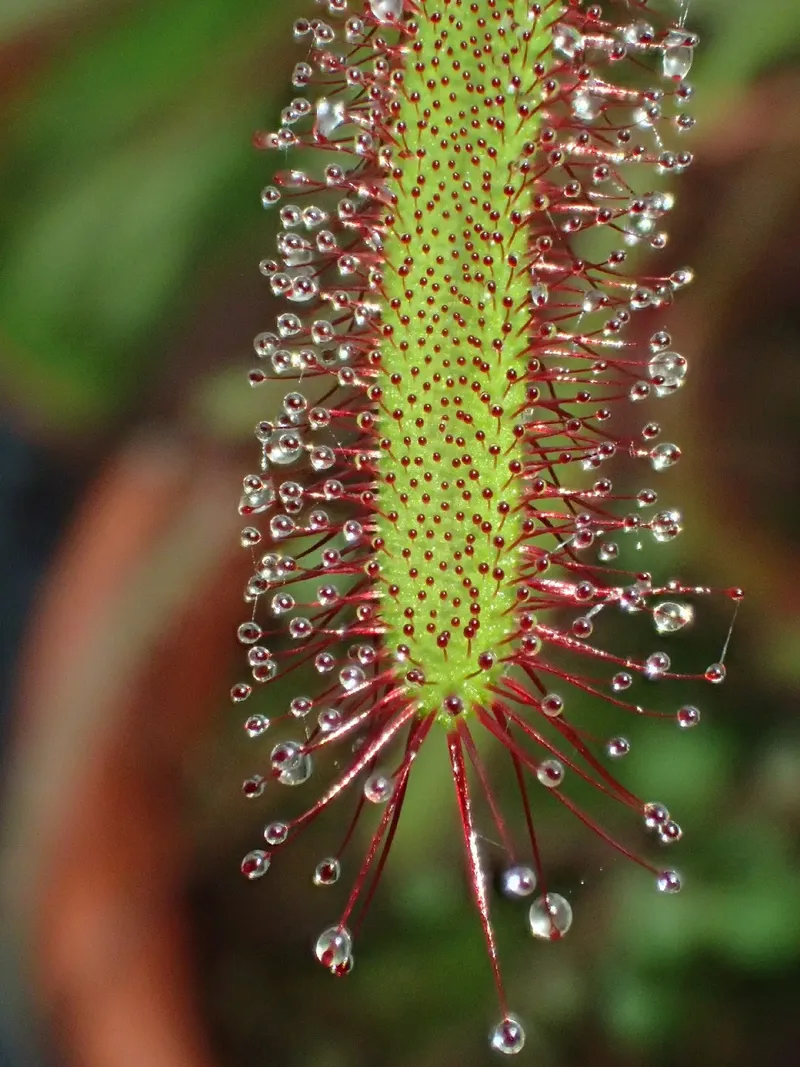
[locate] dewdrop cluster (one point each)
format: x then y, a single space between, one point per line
470 357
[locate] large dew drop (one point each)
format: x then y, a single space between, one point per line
330 115
669 617
550 917
667 371
291 765
386 10
676 62
664 456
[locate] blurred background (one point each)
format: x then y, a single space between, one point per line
130 231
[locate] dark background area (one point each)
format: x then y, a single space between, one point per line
130 232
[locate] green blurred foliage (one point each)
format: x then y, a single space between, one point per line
127 155
130 213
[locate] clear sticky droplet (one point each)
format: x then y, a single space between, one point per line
378 788
255 864
677 62
256 725
667 371
688 716
290 763
250 537
655 815
552 705
617 747
334 946
508 1037
386 10
330 115
666 525
715 673
550 773
248 633
669 833
253 787
669 882
669 617
550 917
621 681
518 881
664 456
327 871
275 833
656 665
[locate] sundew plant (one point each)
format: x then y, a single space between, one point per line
441 512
